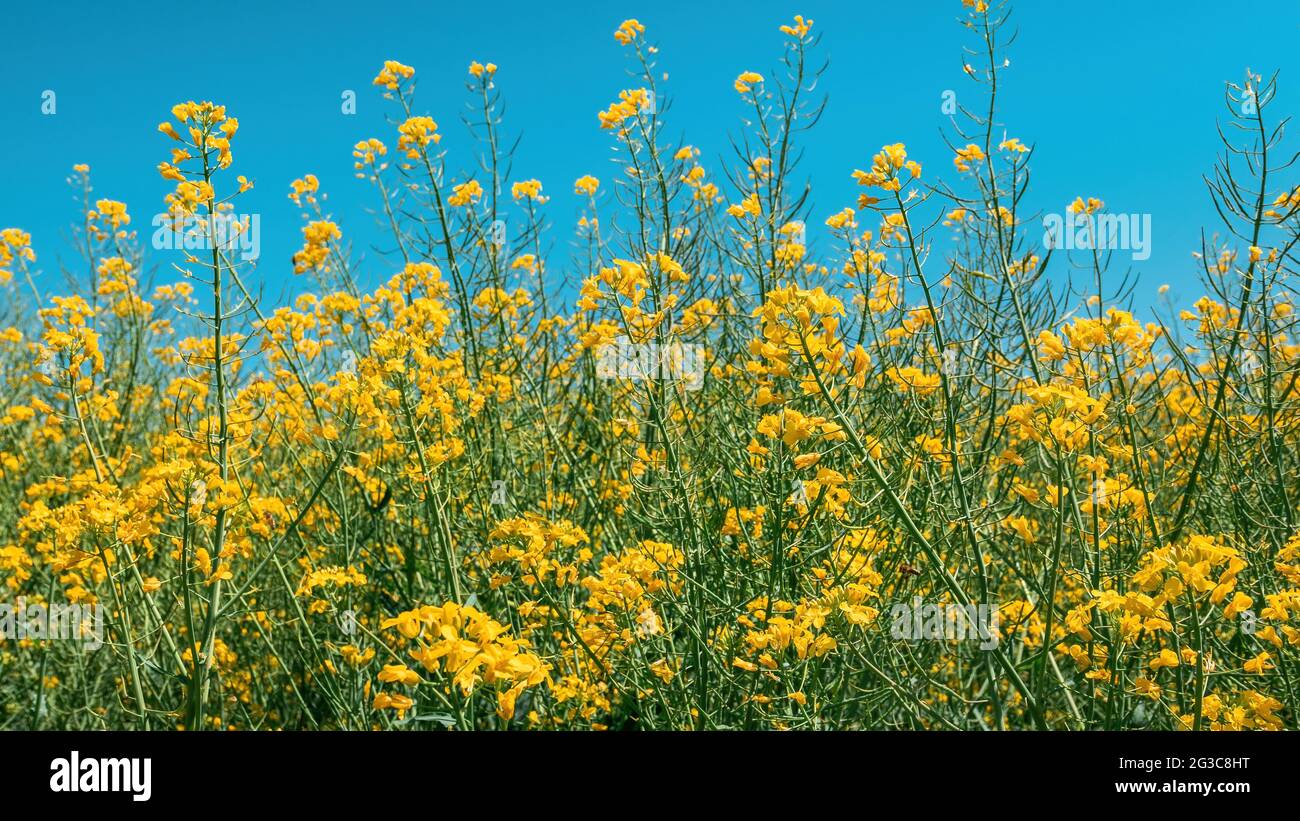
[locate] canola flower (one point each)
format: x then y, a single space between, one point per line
424 505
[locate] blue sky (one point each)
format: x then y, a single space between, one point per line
1120 97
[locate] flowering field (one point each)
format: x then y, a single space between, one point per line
701 474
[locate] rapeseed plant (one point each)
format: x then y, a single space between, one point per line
427 505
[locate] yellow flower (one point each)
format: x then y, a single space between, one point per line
316 249
1166 658
416 133
398 702
399 673
805 460
747 80
800 28
965 156
628 31
527 189
1259 664
466 193
391 75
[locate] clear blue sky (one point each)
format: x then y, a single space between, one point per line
1120 97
